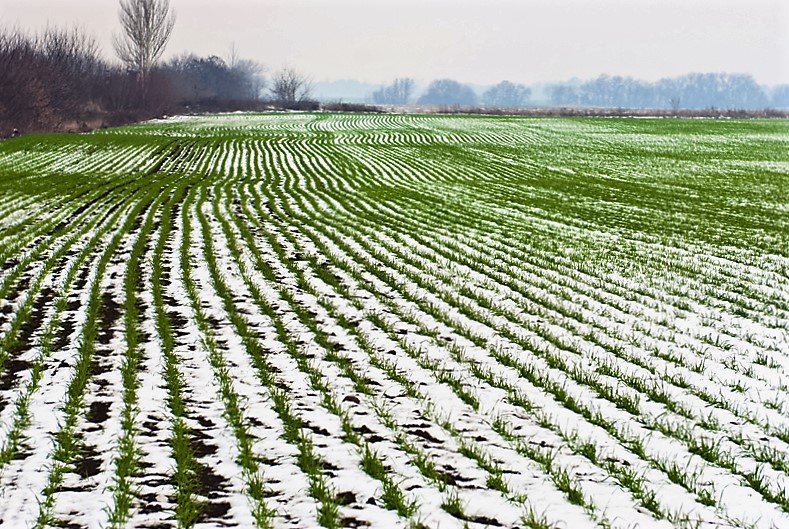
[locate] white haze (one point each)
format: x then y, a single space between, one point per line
472 41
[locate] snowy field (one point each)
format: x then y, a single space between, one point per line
304 320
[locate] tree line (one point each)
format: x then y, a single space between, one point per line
691 91
452 93
56 79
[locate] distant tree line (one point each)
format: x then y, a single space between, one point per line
691 91
397 93
506 95
448 92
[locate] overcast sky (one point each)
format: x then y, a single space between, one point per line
482 41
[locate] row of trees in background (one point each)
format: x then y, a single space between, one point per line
193 78
692 91
397 93
48 77
57 80
453 93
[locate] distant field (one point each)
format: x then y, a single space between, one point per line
302 320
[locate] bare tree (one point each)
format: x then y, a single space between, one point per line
289 87
147 26
24 98
72 59
47 80
397 93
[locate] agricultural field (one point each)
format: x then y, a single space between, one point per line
304 320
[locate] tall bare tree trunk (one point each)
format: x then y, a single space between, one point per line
147 26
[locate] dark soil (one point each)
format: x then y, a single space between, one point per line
482 520
200 448
82 279
67 525
213 510
21 286
110 313
353 522
426 436
98 411
12 367
65 332
178 322
88 463
10 263
346 498
210 484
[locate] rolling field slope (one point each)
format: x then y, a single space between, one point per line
303 320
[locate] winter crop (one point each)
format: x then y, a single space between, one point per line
302 320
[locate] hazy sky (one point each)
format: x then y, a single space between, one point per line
473 41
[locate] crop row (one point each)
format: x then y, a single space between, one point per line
394 321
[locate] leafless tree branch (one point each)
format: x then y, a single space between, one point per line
289 87
147 26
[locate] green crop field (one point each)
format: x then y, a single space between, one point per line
337 320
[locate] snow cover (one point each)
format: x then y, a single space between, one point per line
479 302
